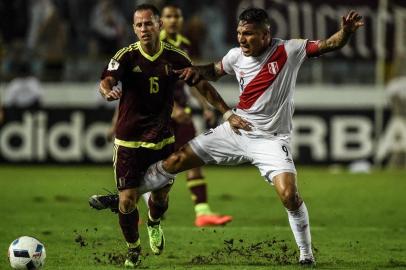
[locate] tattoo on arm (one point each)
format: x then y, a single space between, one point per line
211 72
212 96
336 41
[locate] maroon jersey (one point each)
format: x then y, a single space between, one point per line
148 86
182 43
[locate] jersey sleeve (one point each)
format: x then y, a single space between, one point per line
298 49
117 65
312 48
229 61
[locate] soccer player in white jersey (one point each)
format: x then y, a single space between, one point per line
266 69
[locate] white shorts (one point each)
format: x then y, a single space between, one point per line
223 146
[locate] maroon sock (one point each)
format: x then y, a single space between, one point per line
198 188
129 225
157 209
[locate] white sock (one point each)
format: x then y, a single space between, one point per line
160 169
299 223
156 177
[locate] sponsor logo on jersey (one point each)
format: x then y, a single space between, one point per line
137 69
273 68
113 65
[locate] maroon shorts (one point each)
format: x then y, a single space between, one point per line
130 164
183 133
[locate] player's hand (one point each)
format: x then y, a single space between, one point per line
351 22
113 95
236 123
188 74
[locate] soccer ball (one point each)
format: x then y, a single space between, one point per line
26 253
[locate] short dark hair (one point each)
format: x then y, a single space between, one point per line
153 8
255 15
171 5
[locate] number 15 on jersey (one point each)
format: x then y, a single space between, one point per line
153 85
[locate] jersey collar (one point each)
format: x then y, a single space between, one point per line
153 57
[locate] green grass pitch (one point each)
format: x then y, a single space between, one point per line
358 221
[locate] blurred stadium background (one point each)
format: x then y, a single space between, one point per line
350 105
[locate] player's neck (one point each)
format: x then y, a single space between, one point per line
172 36
151 49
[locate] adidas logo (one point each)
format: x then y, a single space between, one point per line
137 69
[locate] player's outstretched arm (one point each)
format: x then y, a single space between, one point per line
349 25
210 72
214 98
106 89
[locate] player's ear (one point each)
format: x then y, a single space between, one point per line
267 35
160 23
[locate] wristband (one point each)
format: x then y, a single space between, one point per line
227 115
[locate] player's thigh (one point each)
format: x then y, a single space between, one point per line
130 164
220 146
271 156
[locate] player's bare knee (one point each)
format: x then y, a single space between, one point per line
126 206
291 199
172 162
127 203
175 161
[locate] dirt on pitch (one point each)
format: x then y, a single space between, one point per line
267 252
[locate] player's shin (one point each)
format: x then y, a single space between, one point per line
129 226
299 223
156 210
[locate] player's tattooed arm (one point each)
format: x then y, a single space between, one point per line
107 91
214 98
349 25
210 72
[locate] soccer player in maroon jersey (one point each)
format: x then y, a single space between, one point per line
143 130
183 126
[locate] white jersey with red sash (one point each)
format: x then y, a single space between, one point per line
267 83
